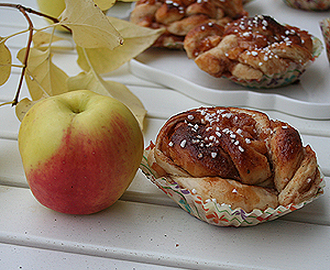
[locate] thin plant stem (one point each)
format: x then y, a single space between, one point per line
16 99
25 10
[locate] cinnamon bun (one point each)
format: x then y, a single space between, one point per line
315 5
236 156
250 49
178 17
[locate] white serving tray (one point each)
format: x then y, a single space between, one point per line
310 98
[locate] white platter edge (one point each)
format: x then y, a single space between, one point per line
237 98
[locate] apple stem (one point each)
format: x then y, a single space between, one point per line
25 10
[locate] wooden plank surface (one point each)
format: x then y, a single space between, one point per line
161 235
22 257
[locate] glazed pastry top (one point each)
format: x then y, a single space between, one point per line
249 48
240 148
218 142
178 17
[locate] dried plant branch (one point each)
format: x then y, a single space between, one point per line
21 9
29 10
25 10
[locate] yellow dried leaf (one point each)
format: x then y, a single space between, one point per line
43 77
90 27
42 38
22 107
5 62
103 60
105 4
120 92
91 81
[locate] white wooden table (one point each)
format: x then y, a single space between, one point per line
145 229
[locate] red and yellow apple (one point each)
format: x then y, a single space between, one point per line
80 151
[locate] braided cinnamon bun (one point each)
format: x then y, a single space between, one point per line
178 17
237 156
250 48
315 5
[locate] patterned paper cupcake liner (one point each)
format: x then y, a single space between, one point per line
313 5
216 213
325 29
292 74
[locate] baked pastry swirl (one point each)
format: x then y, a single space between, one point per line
236 156
249 48
314 5
178 17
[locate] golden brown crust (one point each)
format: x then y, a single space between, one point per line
305 182
259 46
207 8
178 17
218 147
167 14
203 38
182 27
215 61
230 192
227 145
287 153
144 13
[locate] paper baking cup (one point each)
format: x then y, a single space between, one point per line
214 212
292 74
314 5
325 29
